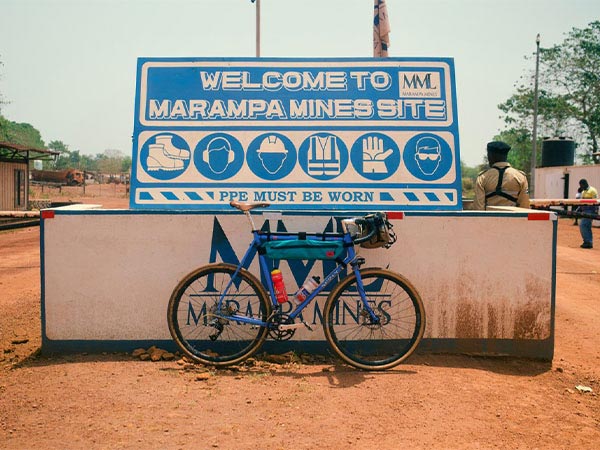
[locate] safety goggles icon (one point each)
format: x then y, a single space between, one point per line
430 156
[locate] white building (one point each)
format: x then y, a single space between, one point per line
563 181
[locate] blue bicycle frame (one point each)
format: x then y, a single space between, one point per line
259 238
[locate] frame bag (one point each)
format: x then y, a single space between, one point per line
303 249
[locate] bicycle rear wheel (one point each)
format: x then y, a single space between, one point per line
200 326
359 340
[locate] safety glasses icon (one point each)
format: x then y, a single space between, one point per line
430 156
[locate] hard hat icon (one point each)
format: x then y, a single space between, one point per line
272 144
218 155
272 153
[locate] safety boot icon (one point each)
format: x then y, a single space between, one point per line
170 150
158 159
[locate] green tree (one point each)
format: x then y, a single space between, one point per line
568 95
112 162
520 140
573 67
89 163
469 175
126 164
64 158
555 114
20 133
59 146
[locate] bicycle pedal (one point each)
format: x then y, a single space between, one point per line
308 326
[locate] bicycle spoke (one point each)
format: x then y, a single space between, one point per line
199 313
374 344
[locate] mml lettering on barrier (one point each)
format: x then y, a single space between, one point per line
303 133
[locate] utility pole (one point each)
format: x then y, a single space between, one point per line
535 116
257 27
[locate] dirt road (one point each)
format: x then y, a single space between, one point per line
433 401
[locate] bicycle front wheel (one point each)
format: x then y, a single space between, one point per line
380 343
198 316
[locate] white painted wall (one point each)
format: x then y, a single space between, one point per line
549 181
108 275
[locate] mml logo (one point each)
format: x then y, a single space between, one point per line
417 81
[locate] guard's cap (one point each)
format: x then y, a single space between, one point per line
498 147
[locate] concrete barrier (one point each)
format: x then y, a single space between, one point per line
487 279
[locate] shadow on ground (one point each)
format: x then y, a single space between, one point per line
290 364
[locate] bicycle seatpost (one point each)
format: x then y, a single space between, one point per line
245 207
249 217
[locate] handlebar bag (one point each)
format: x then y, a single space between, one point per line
384 235
303 249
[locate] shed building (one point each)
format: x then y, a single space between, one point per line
14 174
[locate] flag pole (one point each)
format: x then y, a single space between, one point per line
381 30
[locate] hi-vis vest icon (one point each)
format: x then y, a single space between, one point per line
323 156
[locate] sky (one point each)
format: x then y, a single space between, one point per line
69 66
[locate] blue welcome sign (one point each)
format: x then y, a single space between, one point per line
312 134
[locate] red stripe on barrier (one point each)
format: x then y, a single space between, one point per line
538 216
397 215
47 214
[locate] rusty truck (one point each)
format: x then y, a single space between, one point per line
69 177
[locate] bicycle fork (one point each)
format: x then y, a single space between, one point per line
367 312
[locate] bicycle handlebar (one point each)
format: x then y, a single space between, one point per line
367 223
246 207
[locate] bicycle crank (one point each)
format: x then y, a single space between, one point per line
282 327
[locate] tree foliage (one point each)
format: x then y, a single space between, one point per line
112 161
568 96
66 159
520 140
109 162
20 133
573 68
469 175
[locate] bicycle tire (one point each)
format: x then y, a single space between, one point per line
362 343
192 320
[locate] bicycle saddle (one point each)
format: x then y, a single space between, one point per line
247 206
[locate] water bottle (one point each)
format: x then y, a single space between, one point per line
309 285
280 293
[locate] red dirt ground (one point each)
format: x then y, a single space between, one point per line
433 401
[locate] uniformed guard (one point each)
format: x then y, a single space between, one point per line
501 184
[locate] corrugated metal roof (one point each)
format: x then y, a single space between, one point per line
16 152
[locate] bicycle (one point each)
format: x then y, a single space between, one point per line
373 319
